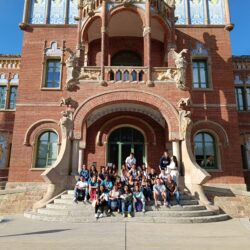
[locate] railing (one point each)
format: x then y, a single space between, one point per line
134 74
125 73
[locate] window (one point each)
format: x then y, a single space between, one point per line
13 94
3 97
8 92
242 93
200 74
47 149
205 151
53 73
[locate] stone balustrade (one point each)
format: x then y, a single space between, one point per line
135 74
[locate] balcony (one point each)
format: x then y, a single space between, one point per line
127 74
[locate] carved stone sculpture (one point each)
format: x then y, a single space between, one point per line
66 124
69 102
72 71
184 116
181 65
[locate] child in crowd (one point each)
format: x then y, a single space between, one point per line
101 202
127 202
93 186
139 200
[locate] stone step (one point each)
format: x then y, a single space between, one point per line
183 202
82 206
71 195
142 219
166 213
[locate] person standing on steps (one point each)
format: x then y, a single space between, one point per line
164 161
130 161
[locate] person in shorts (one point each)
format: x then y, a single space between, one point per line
159 191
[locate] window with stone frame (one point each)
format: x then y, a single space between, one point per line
52 67
205 150
201 67
46 149
242 92
53 73
8 92
200 74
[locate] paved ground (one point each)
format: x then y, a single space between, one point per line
16 232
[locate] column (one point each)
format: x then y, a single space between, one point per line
48 2
75 157
229 25
80 8
66 12
104 38
206 11
80 159
177 151
187 12
26 11
147 42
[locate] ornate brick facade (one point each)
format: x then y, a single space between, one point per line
156 96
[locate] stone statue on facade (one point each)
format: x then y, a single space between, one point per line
66 124
72 70
184 116
181 65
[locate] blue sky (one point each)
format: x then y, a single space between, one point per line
11 35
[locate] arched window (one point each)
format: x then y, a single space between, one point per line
47 149
205 150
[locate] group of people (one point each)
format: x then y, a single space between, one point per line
132 189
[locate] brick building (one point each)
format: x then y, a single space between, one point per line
122 76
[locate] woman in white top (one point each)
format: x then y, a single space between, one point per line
173 169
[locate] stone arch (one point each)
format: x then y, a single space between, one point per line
39 126
214 128
120 8
116 122
154 101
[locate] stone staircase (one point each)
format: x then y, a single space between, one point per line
63 209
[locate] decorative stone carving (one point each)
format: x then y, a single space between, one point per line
53 50
199 50
181 65
184 116
66 124
89 5
146 30
72 71
90 75
69 102
170 74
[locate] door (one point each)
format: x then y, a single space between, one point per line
122 142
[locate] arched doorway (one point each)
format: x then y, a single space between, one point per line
126 58
121 142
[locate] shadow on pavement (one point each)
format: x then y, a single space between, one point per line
39 232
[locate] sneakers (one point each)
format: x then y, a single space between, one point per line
124 215
75 200
143 210
129 215
96 216
101 215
